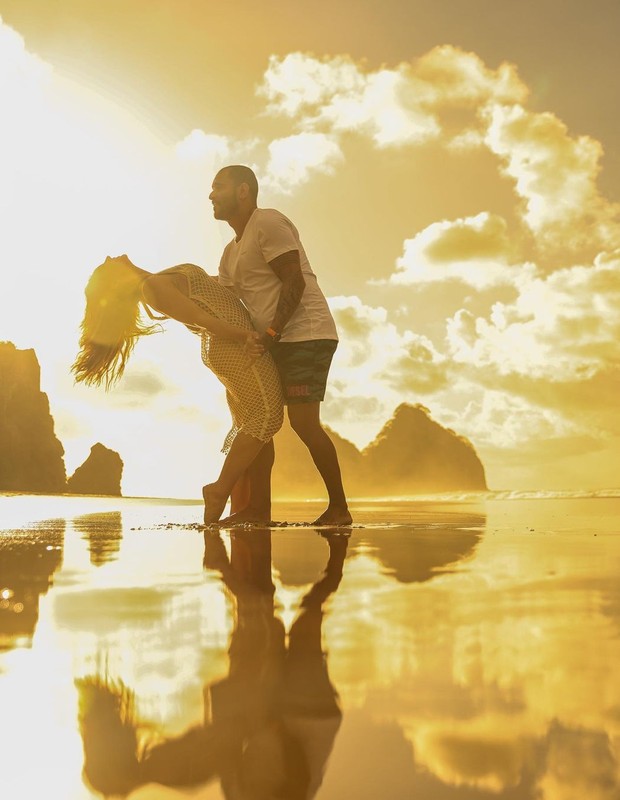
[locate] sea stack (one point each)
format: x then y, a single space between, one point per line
99 474
31 457
412 454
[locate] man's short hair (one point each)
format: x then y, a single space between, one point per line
242 174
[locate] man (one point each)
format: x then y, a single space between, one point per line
266 266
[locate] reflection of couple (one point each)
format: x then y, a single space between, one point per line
279 340
269 725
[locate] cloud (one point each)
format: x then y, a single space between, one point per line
417 369
451 76
473 250
561 327
374 356
451 97
141 383
379 110
201 146
503 421
555 176
336 94
282 164
538 377
539 380
392 106
293 159
467 139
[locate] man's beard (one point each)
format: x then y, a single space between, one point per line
226 210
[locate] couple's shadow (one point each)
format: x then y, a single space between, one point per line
269 726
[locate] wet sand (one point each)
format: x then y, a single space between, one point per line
437 649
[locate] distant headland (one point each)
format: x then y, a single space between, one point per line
412 454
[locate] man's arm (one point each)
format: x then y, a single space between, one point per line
288 269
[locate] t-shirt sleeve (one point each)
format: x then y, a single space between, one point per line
276 236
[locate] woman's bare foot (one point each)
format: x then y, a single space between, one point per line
246 516
334 516
215 503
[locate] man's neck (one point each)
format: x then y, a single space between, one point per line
240 220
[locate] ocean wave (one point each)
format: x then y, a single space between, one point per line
498 494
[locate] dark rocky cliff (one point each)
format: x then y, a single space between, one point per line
99 474
414 453
411 454
31 457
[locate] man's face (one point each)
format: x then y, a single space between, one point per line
224 196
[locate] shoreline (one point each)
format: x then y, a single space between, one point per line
453 638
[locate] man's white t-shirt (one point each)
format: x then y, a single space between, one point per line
245 269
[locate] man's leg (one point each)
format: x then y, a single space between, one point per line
242 453
258 506
240 495
305 421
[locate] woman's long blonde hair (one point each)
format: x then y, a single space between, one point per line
111 326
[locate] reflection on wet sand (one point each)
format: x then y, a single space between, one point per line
472 653
28 561
268 726
103 532
485 683
413 556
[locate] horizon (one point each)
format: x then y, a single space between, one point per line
455 187
456 497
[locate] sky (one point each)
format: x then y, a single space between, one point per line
453 167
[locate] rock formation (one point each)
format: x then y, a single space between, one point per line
99 474
31 457
411 454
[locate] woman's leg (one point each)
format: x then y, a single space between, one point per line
243 451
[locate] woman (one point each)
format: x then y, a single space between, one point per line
230 348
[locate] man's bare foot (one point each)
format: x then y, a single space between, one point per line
215 503
334 516
247 516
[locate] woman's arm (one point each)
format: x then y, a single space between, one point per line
161 293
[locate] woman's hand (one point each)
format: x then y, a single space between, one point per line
252 346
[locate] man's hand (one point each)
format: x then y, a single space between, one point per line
266 341
253 346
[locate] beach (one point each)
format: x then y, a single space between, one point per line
443 647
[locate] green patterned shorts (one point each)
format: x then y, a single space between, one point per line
303 368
